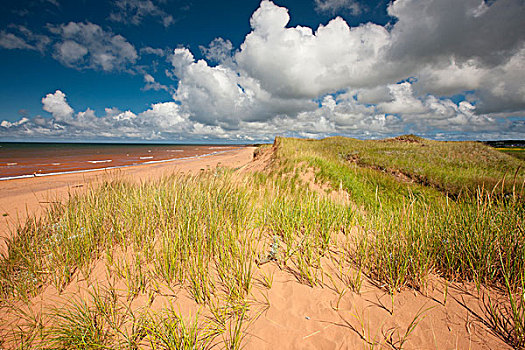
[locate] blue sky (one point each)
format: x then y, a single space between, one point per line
169 70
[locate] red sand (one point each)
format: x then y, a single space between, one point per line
21 198
289 315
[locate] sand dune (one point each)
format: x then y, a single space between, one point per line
290 314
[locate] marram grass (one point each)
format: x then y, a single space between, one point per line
419 206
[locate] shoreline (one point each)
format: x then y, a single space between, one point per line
31 196
28 176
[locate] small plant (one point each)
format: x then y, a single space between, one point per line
267 279
508 318
365 332
84 325
396 339
236 330
170 331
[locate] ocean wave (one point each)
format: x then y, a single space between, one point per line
100 161
113 167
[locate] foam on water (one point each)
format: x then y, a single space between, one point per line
109 168
100 161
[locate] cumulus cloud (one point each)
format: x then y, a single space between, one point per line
134 11
221 96
6 124
364 81
161 120
402 111
87 45
298 62
57 105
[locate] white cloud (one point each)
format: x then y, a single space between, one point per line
11 41
296 62
57 105
221 96
70 52
402 101
161 120
365 81
335 6
134 11
87 45
451 77
151 84
152 51
7 124
24 39
219 51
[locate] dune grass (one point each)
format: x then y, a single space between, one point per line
452 208
200 233
517 152
416 207
419 227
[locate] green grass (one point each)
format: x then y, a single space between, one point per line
202 234
514 151
452 167
452 208
421 207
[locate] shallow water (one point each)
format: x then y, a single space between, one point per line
18 160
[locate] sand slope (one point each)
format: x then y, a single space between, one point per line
290 314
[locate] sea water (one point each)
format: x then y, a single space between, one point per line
28 159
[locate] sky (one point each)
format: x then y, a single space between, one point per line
247 71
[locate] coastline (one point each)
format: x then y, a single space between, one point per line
22 198
192 253
110 167
27 160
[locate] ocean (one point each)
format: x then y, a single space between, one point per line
20 160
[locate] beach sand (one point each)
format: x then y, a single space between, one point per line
22 198
290 315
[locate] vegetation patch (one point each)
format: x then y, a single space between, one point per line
205 239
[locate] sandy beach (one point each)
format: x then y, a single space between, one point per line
285 311
20 198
